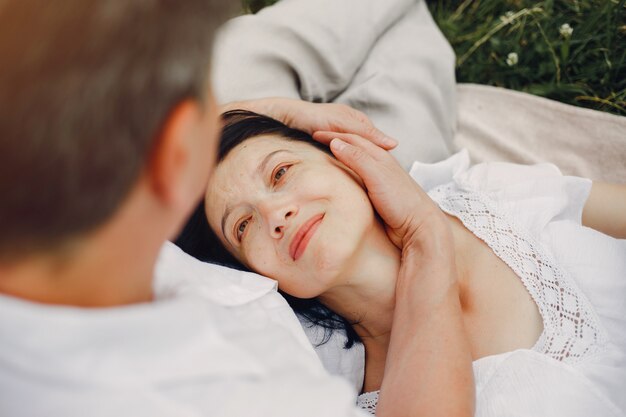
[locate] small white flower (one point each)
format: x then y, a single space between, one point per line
512 59
566 30
507 16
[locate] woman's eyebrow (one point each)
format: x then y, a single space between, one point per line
263 165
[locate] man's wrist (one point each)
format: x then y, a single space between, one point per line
429 256
432 239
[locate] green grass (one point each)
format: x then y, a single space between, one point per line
586 69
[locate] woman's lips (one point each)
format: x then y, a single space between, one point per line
303 235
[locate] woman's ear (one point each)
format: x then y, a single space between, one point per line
172 156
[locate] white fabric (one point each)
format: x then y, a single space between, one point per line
215 343
347 363
368 401
530 216
177 275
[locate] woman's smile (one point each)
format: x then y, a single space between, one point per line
303 236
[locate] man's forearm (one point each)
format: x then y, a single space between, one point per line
429 365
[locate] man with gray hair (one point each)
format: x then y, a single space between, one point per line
108 132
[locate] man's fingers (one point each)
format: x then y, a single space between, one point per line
355 140
354 157
354 121
325 137
379 139
376 136
358 160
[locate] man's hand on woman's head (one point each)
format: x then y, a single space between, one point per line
408 212
312 117
428 359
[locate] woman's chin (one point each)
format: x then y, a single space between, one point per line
331 265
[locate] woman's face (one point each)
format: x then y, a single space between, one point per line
291 212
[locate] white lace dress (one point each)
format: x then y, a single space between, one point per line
530 216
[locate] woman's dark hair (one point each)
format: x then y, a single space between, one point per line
198 240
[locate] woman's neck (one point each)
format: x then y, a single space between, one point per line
366 296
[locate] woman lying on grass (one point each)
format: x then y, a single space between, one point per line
542 294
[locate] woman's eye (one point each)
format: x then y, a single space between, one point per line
241 228
279 173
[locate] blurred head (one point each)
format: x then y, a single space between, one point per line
92 93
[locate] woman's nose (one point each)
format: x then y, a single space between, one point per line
279 217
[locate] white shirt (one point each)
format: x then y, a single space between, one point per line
530 216
216 342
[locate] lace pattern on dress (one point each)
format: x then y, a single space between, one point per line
368 401
571 328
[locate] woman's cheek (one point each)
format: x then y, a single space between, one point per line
314 181
262 258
